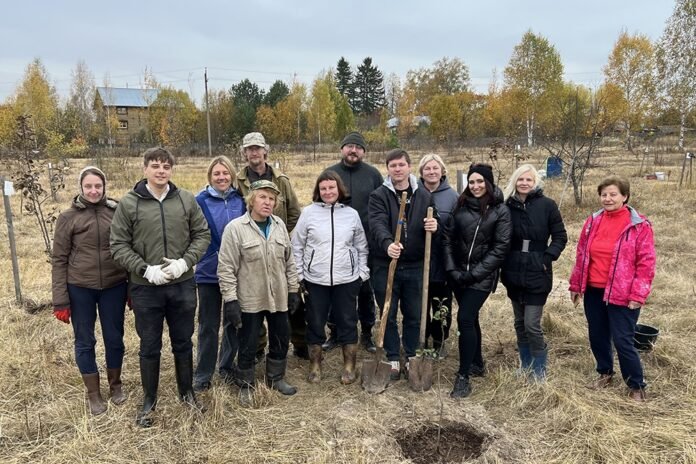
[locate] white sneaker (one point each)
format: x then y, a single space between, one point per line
395 373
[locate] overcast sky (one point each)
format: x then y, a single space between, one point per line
265 40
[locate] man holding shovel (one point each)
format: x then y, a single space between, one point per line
383 214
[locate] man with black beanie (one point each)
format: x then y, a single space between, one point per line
360 180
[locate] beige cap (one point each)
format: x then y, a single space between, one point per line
254 139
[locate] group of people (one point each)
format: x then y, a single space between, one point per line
268 272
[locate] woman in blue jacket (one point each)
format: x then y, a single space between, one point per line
221 202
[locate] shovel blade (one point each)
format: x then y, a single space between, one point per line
375 375
420 373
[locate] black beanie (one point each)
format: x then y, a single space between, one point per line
485 170
354 138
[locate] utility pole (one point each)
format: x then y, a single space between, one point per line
207 114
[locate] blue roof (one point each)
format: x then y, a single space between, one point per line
114 96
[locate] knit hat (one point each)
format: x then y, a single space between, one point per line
355 138
485 170
90 170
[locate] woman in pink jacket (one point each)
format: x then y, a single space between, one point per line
613 272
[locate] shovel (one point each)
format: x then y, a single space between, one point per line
420 367
375 372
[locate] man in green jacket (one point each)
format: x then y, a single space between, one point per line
287 208
158 234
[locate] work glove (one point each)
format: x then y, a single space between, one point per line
156 276
233 313
62 313
303 288
293 302
174 268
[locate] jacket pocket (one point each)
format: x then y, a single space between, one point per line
251 251
309 263
352 262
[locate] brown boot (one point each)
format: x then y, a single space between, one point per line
96 403
603 381
118 396
315 355
349 354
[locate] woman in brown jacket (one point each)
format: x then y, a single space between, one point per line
86 280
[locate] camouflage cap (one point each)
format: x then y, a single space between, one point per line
254 139
264 184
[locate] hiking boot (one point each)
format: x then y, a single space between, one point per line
350 353
199 387
477 371
603 381
637 394
395 372
275 373
367 342
118 396
462 387
315 355
96 403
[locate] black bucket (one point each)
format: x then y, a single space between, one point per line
645 337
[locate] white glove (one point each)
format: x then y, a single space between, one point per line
174 268
156 276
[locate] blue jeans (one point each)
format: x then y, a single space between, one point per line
406 294
341 300
209 314
609 323
152 305
110 303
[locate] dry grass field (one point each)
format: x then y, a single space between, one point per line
43 417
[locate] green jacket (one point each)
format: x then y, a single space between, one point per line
287 207
145 230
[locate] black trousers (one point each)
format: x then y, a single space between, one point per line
278 336
341 300
470 302
152 305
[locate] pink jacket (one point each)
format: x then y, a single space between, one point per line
632 265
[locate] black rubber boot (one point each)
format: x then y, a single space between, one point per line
275 372
183 365
245 380
149 377
462 387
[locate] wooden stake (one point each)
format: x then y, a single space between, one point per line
13 246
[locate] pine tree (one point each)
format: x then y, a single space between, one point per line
344 78
369 88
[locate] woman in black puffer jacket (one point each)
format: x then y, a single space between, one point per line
527 273
476 239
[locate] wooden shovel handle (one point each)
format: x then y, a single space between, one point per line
390 275
426 282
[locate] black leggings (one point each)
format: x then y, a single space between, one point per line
470 302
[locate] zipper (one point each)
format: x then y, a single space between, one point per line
332 247
164 228
616 260
473 242
352 262
99 264
309 265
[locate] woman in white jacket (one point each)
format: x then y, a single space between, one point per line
331 254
